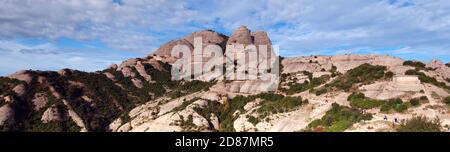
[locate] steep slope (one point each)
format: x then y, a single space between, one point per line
70 100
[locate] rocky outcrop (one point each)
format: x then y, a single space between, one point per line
6 114
208 37
19 89
343 63
51 114
114 126
21 75
440 68
141 70
39 100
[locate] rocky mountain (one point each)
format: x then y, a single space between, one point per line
315 93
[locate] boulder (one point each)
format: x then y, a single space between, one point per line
137 83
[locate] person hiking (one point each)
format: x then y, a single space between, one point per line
385 117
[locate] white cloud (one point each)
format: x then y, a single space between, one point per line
120 26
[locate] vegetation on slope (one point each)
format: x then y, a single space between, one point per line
271 104
300 87
364 74
359 100
109 98
420 124
337 119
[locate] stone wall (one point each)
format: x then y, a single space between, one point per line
406 79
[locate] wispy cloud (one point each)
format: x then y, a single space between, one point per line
16 56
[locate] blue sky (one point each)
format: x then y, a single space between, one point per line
90 35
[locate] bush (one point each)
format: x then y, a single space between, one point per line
426 79
424 98
416 64
420 124
389 74
414 102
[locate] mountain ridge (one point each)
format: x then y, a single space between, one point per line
138 94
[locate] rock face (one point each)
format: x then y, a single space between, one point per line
39 100
241 36
21 75
440 68
19 89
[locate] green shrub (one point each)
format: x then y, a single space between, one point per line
420 124
284 104
414 102
229 107
269 96
395 104
253 120
187 87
